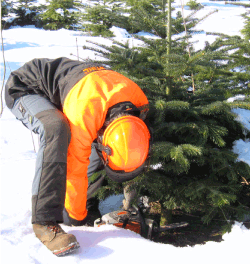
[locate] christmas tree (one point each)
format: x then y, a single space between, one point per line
100 16
61 14
24 12
192 166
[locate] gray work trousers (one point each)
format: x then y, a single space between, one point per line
39 115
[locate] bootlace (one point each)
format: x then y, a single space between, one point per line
54 228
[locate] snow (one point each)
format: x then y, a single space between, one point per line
240 97
107 244
120 32
226 19
242 148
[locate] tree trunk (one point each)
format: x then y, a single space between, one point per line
129 196
166 216
169 25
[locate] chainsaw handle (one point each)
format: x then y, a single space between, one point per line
142 221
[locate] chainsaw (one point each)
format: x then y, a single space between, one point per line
133 219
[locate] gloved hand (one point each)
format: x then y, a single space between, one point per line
67 220
87 221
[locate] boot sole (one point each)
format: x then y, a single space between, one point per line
67 250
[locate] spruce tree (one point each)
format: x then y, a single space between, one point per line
61 14
192 166
102 15
6 7
246 30
193 5
26 12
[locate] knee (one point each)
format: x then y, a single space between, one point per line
56 127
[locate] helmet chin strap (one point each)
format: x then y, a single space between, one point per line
106 149
99 148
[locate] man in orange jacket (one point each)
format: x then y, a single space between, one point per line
85 114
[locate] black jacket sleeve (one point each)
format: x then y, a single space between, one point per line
40 76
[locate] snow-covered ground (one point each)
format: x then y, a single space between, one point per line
105 244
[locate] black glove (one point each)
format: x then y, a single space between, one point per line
67 220
87 221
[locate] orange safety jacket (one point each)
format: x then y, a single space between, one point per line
84 92
86 106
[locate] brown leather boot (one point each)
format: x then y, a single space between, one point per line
55 238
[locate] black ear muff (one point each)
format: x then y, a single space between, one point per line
122 176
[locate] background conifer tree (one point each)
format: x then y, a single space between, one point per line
61 14
246 30
26 12
6 7
100 16
193 5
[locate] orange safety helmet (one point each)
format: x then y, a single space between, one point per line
128 138
124 147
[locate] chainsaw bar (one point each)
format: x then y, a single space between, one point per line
134 220
172 226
